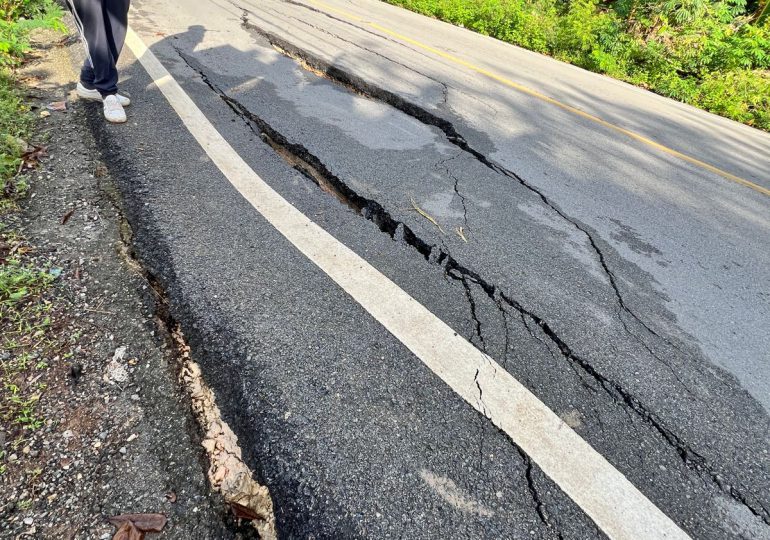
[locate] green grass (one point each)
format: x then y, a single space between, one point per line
17 19
25 283
714 54
25 318
19 282
15 123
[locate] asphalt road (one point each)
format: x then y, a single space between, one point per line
608 248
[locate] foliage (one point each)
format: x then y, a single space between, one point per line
25 320
14 124
713 54
24 286
17 19
18 282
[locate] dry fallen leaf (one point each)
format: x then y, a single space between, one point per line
31 158
66 217
128 531
57 106
143 522
243 512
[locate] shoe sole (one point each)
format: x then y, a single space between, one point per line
91 97
121 121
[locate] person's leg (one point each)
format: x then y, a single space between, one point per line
116 22
99 70
87 75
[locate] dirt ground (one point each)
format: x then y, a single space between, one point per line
115 432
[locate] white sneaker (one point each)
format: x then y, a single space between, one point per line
113 110
94 95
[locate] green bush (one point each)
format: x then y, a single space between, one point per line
741 95
14 125
704 52
17 19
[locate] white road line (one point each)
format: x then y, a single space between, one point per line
615 505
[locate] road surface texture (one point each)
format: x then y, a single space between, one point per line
604 247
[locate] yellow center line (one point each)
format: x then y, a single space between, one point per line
534 93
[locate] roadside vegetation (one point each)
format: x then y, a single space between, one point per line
713 54
25 280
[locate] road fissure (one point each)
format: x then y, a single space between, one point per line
310 166
358 85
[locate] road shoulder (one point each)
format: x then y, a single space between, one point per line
114 432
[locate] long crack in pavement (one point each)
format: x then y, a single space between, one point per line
313 168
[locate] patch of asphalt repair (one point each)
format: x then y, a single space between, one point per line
299 157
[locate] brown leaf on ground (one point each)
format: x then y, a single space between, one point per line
31 158
66 217
143 522
128 531
57 106
243 512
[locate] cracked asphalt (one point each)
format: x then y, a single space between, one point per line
628 290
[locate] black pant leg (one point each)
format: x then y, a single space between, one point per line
116 21
92 18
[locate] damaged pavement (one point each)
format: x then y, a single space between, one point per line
341 431
129 432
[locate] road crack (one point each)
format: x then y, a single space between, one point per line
302 160
246 22
360 86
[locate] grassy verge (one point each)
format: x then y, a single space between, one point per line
714 54
25 280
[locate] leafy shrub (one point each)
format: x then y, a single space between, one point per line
14 10
741 95
705 52
17 19
14 124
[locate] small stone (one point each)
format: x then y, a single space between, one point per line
123 450
134 397
120 354
28 521
132 437
115 373
68 434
